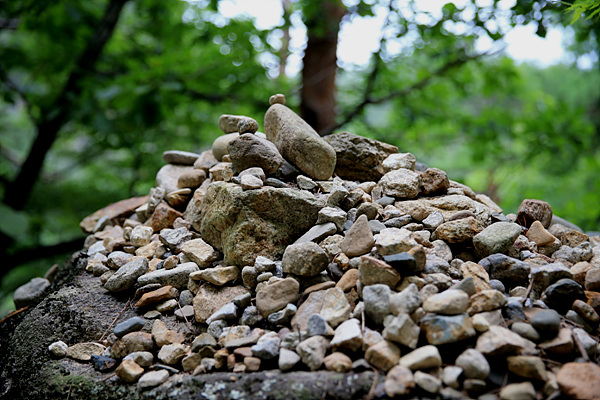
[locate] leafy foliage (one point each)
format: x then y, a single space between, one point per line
588 8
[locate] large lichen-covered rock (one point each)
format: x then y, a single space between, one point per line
262 222
298 142
358 157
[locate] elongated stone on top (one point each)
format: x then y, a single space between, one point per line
237 123
299 143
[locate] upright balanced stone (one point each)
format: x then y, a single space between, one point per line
299 143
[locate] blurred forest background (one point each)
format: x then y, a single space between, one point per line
92 92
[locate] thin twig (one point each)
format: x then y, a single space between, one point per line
184 317
370 395
528 292
12 314
441 71
108 377
69 394
115 320
580 347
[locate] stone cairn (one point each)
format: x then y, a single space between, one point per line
298 252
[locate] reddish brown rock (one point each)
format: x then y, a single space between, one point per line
434 181
156 296
120 209
163 217
580 380
593 299
534 210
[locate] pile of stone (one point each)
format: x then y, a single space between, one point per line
294 252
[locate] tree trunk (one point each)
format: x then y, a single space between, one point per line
317 104
58 113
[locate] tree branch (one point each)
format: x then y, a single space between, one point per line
25 255
441 71
54 116
12 85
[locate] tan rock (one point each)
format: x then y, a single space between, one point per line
210 298
128 371
580 270
217 276
252 364
336 308
486 300
348 280
538 234
530 367
85 351
383 355
521 391
312 305
399 381
199 252
372 271
480 277
131 342
276 296
338 362
170 354
458 231
561 344
163 336
359 238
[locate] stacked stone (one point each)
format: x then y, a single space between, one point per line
291 251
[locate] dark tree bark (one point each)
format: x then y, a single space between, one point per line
317 104
54 116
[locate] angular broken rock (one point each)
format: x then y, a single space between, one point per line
359 238
401 183
129 371
116 210
458 231
304 259
358 157
210 298
200 252
312 351
534 210
299 143
246 224
168 176
276 296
